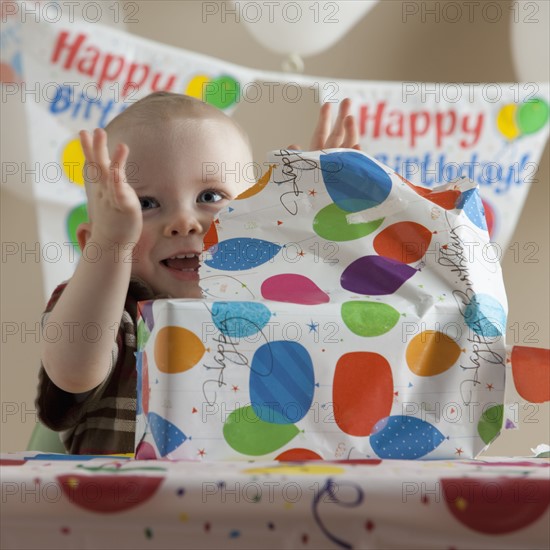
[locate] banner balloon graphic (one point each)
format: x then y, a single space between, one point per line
77 216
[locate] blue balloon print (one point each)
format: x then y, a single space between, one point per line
240 319
354 181
485 316
282 382
404 437
241 253
167 436
470 202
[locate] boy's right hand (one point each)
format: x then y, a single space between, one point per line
113 205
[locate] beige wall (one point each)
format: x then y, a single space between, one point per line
381 47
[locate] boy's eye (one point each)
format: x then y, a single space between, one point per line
210 197
148 202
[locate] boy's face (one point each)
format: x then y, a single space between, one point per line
184 176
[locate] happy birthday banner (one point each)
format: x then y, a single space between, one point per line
84 75
434 133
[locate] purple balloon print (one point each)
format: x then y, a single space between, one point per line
375 275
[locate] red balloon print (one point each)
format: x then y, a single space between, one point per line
362 391
445 199
531 372
298 455
108 493
405 242
496 506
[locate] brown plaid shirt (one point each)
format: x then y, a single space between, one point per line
103 420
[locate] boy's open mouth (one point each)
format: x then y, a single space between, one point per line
182 262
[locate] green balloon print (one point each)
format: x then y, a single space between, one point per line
142 335
222 92
330 223
490 423
76 216
249 435
532 115
369 318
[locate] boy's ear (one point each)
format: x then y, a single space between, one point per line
83 232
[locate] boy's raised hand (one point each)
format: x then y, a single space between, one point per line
344 134
113 205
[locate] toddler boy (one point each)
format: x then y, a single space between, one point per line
151 200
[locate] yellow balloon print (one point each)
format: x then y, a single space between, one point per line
196 85
312 469
431 352
177 349
73 162
506 122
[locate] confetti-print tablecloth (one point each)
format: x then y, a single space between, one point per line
63 501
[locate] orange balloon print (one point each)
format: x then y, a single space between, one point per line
445 199
211 237
258 186
405 242
531 372
362 391
431 352
177 349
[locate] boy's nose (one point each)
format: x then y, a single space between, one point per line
183 224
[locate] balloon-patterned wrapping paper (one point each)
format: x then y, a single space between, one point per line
348 314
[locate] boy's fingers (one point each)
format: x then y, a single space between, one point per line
338 133
118 164
294 147
100 149
321 133
352 134
86 143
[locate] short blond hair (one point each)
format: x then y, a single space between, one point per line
168 106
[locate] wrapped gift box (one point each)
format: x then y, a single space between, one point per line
348 314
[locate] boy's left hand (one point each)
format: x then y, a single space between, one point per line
344 134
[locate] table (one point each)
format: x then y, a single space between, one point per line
64 501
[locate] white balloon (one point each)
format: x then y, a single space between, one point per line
531 40
303 28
